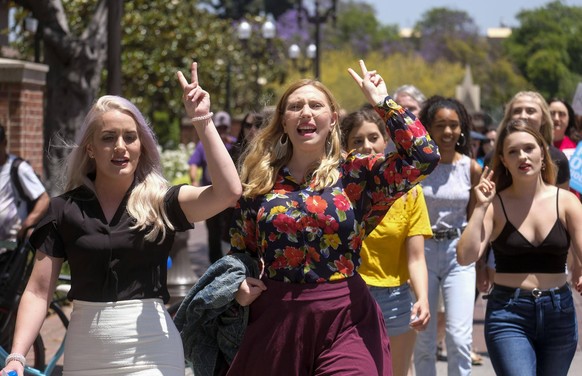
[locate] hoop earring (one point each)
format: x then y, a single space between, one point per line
462 140
280 149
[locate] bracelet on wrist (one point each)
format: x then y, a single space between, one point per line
206 117
18 357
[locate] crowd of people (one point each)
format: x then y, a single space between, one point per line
372 234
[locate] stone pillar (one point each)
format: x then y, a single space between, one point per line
22 91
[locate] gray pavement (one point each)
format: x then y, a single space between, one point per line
182 276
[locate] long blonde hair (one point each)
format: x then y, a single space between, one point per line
146 201
547 126
260 164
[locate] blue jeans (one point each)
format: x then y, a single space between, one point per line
458 287
529 336
395 304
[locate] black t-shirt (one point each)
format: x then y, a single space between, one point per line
108 261
557 156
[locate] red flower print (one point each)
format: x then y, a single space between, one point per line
294 256
281 188
357 164
315 204
248 227
285 224
272 237
411 173
328 224
344 266
404 138
280 262
354 191
391 176
417 129
260 213
308 221
341 202
378 196
313 255
356 242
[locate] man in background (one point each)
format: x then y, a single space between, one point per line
23 198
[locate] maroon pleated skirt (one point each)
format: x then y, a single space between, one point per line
333 328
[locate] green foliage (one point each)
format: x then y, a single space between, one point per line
161 37
175 163
547 48
237 9
358 26
397 69
156 46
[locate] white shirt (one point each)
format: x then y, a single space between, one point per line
12 210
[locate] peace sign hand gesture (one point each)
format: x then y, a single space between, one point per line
485 190
372 84
196 100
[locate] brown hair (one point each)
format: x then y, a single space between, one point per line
355 119
501 175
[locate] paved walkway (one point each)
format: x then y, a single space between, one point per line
183 276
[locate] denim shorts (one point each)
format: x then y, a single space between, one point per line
396 304
529 333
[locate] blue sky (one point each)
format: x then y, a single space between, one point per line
488 13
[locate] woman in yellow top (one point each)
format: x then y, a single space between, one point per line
394 252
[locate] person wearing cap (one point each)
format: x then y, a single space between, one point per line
199 176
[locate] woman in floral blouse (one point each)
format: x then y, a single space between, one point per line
304 212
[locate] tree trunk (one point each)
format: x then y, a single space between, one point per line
73 80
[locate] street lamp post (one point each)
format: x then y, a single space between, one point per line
318 17
294 54
268 32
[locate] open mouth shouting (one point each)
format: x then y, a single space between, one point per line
306 129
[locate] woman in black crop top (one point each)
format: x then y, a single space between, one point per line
115 226
530 322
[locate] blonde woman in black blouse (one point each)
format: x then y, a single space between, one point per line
115 225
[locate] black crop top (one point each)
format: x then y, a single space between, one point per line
515 254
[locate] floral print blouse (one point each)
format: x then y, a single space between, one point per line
305 235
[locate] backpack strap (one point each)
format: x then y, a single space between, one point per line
15 179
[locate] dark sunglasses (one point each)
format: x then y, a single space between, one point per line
249 125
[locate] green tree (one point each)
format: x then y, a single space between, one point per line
358 27
396 69
237 9
453 36
159 37
75 62
448 34
547 48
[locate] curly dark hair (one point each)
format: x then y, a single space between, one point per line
436 103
